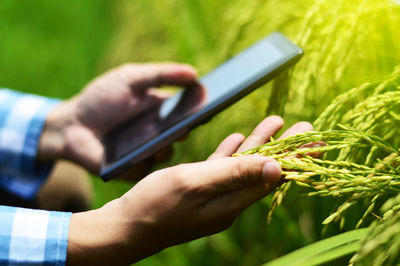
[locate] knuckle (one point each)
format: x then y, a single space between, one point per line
123 69
305 125
181 177
187 184
248 170
126 69
215 155
238 135
240 172
158 78
127 66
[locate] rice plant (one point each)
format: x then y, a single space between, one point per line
357 163
347 43
342 43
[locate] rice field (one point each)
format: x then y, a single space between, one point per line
347 83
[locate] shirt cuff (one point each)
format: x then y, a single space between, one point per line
22 117
33 237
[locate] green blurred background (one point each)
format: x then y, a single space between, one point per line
54 48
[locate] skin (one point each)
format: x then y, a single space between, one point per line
169 206
77 126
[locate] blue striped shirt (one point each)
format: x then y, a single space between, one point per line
27 237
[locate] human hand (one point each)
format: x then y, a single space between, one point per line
74 129
180 203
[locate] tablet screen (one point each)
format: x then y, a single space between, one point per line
150 124
224 83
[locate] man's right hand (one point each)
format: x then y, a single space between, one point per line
179 203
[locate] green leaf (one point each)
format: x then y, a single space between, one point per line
323 251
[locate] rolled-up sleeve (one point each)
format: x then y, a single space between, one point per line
22 117
27 237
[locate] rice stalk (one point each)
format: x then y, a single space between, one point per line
382 245
337 39
342 179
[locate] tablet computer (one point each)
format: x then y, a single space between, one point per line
143 136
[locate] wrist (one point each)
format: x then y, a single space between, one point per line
92 240
107 236
53 141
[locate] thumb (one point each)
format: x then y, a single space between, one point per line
143 76
235 173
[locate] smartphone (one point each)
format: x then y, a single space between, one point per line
143 136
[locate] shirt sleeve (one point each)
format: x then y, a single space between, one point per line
22 117
33 237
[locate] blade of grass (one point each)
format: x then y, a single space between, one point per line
324 250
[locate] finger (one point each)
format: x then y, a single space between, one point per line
143 76
297 128
316 144
191 100
262 133
152 98
234 173
159 94
228 146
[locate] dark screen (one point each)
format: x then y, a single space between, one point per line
237 73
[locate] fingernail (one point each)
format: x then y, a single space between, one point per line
272 172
